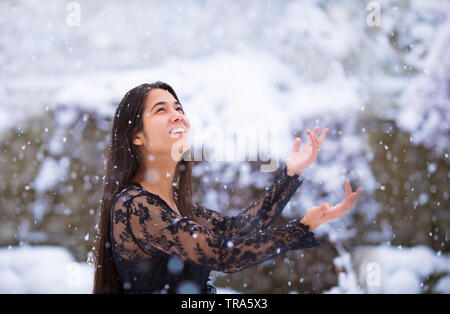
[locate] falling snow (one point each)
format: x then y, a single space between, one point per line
382 93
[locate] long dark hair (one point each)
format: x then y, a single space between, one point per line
122 166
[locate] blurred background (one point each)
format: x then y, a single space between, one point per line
378 79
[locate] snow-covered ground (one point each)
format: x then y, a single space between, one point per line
43 269
47 269
387 269
382 269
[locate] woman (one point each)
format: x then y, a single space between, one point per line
154 239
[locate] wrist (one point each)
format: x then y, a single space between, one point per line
291 173
306 222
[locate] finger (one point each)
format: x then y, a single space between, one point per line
357 193
335 212
311 138
313 144
323 208
347 187
323 135
316 130
297 144
310 134
316 143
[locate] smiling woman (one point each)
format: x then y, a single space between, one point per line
153 238
124 164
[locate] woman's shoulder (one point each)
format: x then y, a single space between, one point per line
136 193
128 193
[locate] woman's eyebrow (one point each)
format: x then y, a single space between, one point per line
164 103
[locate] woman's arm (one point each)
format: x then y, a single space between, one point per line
259 214
152 225
262 212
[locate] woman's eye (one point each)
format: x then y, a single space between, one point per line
179 108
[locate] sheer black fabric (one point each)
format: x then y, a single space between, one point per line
158 251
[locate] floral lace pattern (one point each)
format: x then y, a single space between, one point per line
158 251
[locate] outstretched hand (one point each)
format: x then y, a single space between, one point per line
298 161
318 215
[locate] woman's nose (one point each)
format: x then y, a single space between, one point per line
177 116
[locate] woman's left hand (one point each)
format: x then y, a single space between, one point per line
318 215
298 161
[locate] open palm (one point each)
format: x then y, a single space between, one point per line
318 215
297 161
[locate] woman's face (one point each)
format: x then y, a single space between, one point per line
162 115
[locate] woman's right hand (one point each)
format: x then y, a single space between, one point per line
318 215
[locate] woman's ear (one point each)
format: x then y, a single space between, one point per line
138 139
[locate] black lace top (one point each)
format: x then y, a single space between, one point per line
158 251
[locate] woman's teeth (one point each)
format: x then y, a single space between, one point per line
177 131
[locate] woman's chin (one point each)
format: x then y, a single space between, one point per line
179 147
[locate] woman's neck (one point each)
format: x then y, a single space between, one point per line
158 178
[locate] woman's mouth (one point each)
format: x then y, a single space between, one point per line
177 132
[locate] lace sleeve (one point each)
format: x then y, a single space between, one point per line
152 224
259 214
